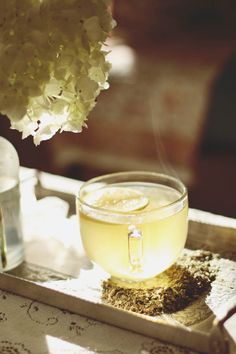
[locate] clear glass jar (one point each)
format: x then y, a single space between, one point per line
11 240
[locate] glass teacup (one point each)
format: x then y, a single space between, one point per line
133 224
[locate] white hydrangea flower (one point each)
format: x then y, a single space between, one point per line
52 63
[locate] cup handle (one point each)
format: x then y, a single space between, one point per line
3 244
135 249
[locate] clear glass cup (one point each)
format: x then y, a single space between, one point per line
133 224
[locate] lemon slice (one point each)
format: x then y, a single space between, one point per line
118 199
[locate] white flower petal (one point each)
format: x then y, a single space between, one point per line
93 29
26 126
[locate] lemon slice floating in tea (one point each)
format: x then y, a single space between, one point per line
120 199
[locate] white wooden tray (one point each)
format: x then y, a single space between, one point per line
80 293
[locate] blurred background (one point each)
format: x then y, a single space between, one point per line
171 105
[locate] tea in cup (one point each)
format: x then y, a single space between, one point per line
133 224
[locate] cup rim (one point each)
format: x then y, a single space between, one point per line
183 194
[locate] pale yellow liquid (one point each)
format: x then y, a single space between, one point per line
164 231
